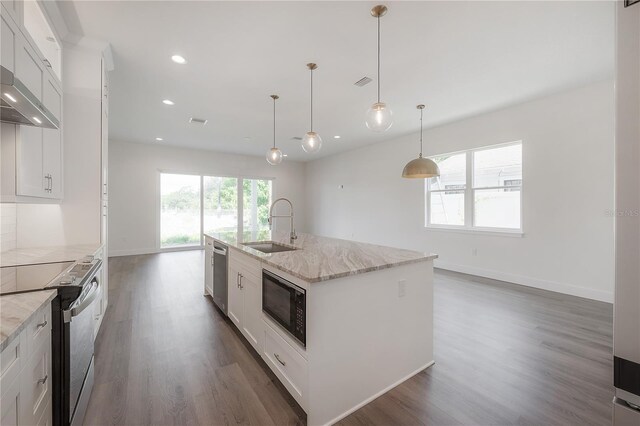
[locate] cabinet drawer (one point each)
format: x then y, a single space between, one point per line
11 361
10 401
47 416
37 392
286 363
39 330
246 264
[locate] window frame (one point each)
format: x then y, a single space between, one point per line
240 180
469 196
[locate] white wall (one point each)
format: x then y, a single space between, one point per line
134 191
568 156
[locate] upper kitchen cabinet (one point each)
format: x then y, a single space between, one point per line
43 38
14 9
32 144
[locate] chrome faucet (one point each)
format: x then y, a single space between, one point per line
292 234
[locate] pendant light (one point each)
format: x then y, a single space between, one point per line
421 167
274 155
379 116
312 142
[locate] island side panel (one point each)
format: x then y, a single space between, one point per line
364 338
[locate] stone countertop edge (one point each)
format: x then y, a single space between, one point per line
17 321
54 254
266 258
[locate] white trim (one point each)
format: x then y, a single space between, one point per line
494 232
376 395
136 252
557 287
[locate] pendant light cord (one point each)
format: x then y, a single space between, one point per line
311 107
421 133
378 59
274 122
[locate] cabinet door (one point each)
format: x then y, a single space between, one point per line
29 68
252 327
52 96
15 9
235 298
7 43
10 414
30 179
52 162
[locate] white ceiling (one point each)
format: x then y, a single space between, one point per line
458 58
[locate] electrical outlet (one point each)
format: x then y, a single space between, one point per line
402 288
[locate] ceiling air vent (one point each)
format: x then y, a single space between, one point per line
363 81
296 138
200 121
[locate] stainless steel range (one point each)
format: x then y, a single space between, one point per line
72 330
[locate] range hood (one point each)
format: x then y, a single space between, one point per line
19 106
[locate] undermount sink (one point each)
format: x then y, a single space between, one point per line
269 247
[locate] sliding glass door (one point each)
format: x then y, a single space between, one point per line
191 205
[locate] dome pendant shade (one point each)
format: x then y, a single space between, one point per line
420 168
312 142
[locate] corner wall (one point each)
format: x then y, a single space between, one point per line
568 195
134 193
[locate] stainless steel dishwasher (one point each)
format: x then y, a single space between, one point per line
220 291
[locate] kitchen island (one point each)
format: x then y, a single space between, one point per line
367 315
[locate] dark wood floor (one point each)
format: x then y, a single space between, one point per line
505 355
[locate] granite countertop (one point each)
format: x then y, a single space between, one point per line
321 258
36 255
16 310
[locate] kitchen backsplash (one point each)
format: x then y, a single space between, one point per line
8 226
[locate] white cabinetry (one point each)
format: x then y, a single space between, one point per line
25 374
245 297
32 156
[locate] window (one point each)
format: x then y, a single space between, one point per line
191 205
256 204
179 210
477 189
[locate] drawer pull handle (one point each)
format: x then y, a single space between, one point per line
279 360
40 325
43 380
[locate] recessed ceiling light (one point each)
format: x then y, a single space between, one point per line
178 59
159 139
168 102
336 137
37 120
11 98
285 155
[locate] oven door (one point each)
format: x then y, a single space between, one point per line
281 300
80 319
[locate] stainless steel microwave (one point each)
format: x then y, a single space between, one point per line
286 304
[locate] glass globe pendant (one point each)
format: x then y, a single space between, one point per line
379 117
311 142
274 155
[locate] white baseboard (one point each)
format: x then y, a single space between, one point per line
376 395
573 290
131 252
